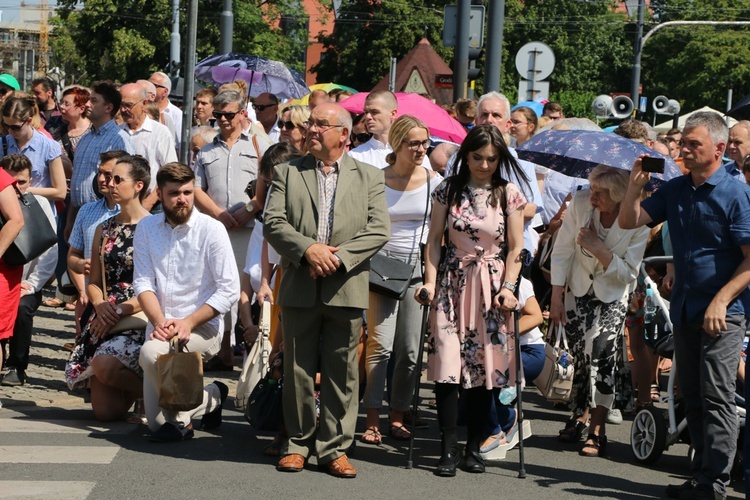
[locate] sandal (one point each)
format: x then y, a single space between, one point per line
399 432
493 442
655 393
372 436
598 445
53 302
572 432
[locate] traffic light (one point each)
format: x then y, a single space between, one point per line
474 55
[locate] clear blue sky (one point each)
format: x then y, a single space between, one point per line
12 8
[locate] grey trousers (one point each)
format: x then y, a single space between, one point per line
707 371
394 327
320 338
204 340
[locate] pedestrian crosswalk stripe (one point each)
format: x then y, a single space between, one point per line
57 454
64 426
43 490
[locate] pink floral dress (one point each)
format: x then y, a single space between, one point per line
469 341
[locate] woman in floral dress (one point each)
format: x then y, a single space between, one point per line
470 338
109 363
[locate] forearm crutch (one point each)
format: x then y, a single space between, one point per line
415 401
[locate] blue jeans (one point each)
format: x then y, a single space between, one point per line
501 416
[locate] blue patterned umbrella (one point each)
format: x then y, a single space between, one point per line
575 153
262 75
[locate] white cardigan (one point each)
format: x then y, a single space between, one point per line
579 272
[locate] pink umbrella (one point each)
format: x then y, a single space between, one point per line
440 123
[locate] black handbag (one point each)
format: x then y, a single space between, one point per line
37 234
264 410
391 277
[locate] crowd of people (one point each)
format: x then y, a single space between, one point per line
290 203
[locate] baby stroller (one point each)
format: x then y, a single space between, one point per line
655 429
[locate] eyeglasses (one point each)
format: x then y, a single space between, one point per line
107 175
361 138
119 180
128 105
14 128
287 125
322 127
414 145
261 107
228 115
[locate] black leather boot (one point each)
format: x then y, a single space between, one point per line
446 466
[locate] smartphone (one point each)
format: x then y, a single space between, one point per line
653 165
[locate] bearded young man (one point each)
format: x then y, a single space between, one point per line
186 280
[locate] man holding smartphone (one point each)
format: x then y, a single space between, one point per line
709 226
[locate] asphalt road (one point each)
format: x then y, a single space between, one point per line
51 447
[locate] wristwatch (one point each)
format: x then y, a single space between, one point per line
510 286
118 310
250 206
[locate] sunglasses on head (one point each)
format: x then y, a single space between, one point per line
261 107
286 125
363 137
228 115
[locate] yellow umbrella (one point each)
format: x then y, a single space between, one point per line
303 101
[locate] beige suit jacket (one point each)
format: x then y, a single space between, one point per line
360 228
570 266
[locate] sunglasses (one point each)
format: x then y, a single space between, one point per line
228 115
159 86
14 128
286 125
119 180
261 107
4 90
361 138
107 175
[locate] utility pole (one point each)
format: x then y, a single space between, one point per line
174 41
226 27
461 51
189 89
636 81
493 62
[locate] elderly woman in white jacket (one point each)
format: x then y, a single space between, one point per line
594 264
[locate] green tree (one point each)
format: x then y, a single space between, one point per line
126 40
368 33
593 51
697 64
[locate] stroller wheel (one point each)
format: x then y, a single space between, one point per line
648 435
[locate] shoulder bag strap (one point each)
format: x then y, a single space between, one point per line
65 138
257 150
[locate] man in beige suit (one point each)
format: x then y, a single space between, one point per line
326 216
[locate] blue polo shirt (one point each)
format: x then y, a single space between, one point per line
707 226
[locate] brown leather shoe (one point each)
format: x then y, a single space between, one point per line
291 463
340 467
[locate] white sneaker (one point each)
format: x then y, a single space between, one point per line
614 417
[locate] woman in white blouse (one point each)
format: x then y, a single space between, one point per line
393 325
